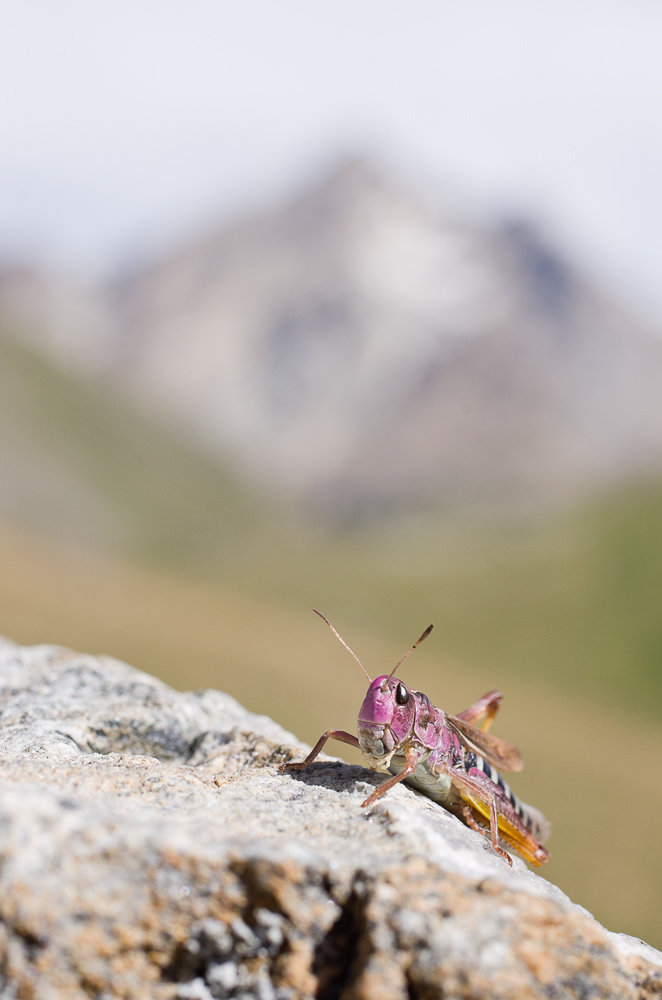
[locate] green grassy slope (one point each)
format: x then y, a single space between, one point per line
165 503
573 602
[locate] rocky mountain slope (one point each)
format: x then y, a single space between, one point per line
359 351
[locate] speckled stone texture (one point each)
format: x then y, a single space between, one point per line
150 849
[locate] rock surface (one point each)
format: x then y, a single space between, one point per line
150 849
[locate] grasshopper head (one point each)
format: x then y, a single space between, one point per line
386 716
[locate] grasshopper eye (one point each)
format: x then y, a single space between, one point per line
401 694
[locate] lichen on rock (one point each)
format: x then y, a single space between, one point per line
150 849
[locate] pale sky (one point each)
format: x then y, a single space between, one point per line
125 122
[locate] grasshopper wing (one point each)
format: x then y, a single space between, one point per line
498 752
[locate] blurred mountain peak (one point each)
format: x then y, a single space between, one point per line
349 177
361 351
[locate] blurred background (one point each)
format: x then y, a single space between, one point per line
355 306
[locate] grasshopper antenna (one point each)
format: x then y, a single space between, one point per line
338 636
417 643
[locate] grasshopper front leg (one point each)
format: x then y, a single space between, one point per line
414 757
330 734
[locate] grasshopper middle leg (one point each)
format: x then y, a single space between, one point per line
413 759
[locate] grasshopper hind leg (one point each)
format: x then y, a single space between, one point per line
481 714
471 818
481 803
494 833
478 802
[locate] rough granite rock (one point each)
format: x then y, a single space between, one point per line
150 849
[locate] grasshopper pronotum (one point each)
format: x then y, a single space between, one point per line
450 758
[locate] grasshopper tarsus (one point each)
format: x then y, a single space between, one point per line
503 854
330 734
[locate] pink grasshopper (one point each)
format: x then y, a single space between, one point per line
451 759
